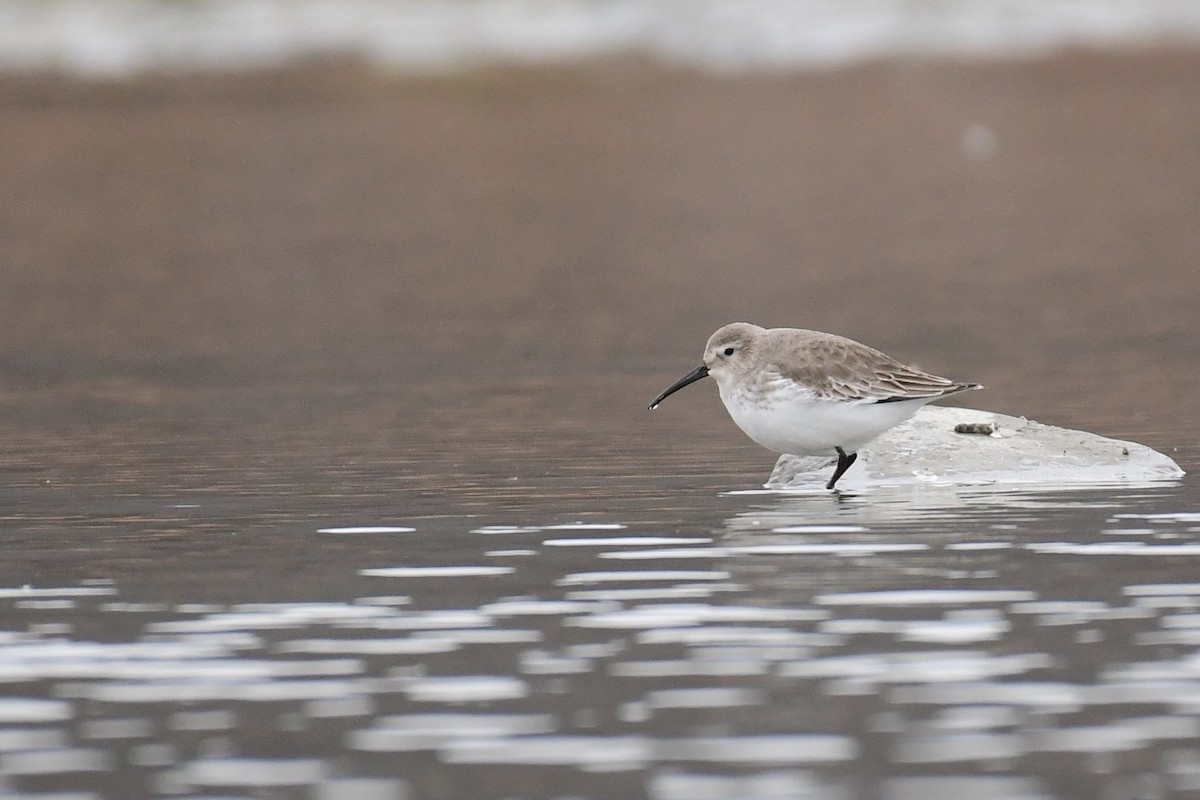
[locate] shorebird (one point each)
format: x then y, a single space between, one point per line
810 393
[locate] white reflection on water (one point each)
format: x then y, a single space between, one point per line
933 666
627 541
474 571
974 642
630 576
368 529
705 697
465 688
28 592
786 749
20 710
55 761
823 548
415 732
571 526
1114 549
1163 589
770 784
677 615
924 597
369 647
220 772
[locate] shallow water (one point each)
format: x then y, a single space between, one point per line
536 589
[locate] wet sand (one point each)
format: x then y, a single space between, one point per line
339 224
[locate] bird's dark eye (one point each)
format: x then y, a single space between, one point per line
728 351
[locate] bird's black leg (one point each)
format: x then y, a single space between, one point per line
844 462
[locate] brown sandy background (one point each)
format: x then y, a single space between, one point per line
344 225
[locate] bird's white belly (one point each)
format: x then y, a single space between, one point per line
799 424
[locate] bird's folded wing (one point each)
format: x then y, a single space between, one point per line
843 370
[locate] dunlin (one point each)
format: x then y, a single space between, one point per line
811 393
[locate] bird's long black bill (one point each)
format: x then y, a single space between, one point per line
693 376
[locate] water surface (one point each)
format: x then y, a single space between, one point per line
516 593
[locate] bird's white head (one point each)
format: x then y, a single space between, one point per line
728 355
730 352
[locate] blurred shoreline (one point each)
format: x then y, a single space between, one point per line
124 38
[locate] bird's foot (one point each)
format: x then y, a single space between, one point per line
844 463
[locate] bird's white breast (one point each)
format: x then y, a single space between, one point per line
788 418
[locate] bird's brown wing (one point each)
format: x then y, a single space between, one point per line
838 368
